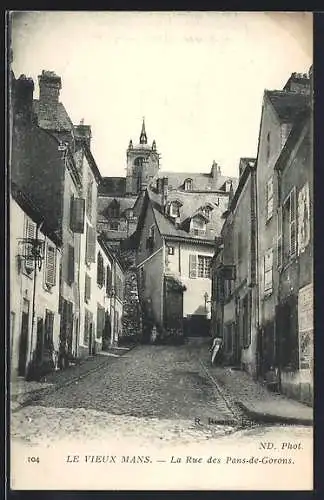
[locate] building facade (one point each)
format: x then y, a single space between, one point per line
175 244
234 265
293 269
35 255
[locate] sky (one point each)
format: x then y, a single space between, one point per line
197 77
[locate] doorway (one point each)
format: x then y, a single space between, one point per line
23 340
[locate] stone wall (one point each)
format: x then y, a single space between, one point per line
131 310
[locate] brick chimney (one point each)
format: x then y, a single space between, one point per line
83 132
23 89
50 85
299 83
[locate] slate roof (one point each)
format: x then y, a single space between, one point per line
287 104
200 181
103 203
62 122
191 204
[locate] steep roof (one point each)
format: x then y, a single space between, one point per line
287 104
200 181
191 205
103 203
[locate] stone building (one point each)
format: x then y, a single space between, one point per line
35 256
234 270
52 161
280 111
293 267
175 243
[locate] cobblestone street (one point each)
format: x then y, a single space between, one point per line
154 391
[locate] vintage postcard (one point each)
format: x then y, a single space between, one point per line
161 250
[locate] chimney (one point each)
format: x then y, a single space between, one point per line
299 83
23 90
215 173
50 85
164 190
83 132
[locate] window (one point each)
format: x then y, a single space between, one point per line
198 226
108 281
70 269
49 322
90 245
119 287
87 325
89 196
268 146
228 288
114 226
50 265
114 209
206 211
289 224
269 198
87 288
188 185
199 266
77 209
174 209
152 232
204 264
150 239
100 270
268 261
30 235
279 238
170 250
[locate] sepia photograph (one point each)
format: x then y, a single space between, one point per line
161 328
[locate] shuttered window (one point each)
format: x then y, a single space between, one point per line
100 320
292 223
87 288
193 260
49 322
268 275
100 270
269 197
70 269
90 244
50 265
108 281
204 266
86 330
30 235
279 238
89 196
77 215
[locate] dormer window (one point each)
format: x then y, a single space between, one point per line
113 209
206 210
198 225
174 209
188 185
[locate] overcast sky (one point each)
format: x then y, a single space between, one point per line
198 78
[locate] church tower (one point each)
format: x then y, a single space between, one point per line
142 163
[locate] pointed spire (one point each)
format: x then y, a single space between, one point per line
154 146
130 145
143 137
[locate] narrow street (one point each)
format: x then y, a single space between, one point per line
154 405
166 387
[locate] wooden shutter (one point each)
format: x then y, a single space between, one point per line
279 238
77 215
70 273
50 265
292 223
100 320
86 327
268 262
108 281
49 321
91 244
100 270
30 234
87 288
193 266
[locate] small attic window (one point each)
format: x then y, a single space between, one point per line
188 185
114 209
268 146
206 210
174 209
